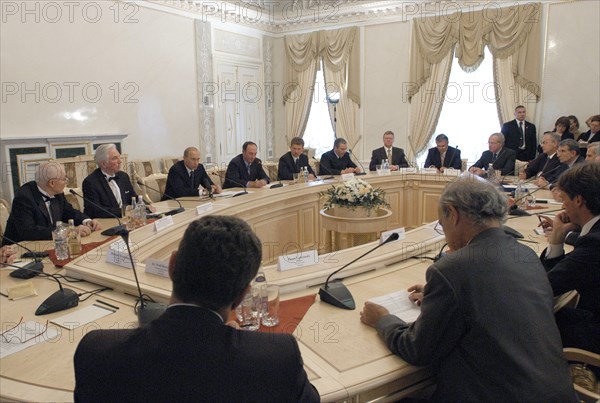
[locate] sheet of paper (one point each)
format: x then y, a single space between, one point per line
398 304
9 341
82 316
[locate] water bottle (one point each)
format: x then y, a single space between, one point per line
491 173
305 173
520 193
141 212
73 240
260 295
59 235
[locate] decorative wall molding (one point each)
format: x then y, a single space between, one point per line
268 78
205 82
237 44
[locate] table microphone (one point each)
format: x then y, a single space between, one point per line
321 166
31 269
178 210
359 163
336 293
276 185
208 186
62 299
116 230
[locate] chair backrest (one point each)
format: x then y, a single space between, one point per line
4 213
156 181
582 379
71 198
168 162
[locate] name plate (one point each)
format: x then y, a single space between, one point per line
451 172
203 208
385 235
157 267
429 171
298 260
384 172
347 177
119 257
163 223
410 170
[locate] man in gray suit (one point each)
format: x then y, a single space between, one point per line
486 323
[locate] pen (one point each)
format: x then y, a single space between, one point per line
107 304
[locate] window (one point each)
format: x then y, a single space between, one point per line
319 131
469 113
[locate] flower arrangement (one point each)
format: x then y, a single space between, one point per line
354 193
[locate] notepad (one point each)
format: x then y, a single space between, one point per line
398 304
82 316
31 330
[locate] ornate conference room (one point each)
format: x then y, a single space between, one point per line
155 77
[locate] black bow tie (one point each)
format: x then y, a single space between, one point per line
47 198
111 178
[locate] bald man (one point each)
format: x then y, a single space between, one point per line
186 177
38 205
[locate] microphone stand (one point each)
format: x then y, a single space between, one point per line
321 166
336 293
359 163
31 269
116 230
178 210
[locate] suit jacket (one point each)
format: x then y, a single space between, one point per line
29 218
586 137
188 354
550 171
330 164
95 188
380 154
179 183
237 172
287 168
486 326
452 159
511 133
505 162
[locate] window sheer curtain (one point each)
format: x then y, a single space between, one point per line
512 35
338 49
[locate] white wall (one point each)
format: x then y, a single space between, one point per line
153 55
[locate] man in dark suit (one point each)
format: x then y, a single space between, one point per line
592 135
442 156
486 324
568 155
394 155
501 158
38 205
246 169
291 162
186 176
337 161
580 269
107 186
520 135
189 353
546 167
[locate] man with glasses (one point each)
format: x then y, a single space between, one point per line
38 205
501 158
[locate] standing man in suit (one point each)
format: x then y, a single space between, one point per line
520 135
337 161
546 167
107 186
185 177
442 156
246 169
580 269
38 205
189 353
394 155
486 310
291 162
501 158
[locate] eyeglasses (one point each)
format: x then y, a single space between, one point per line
14 339
438 228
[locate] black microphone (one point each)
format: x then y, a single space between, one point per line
62 299
207 185
116 230
244 192
359 163
515 210
336 293
178 210
321 166
450 165
31 269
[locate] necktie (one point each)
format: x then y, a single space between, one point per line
297 163
192 178
494 157
248 169
442 158
521 135
389 155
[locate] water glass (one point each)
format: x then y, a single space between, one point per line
247 313
296 178
271 317
129 217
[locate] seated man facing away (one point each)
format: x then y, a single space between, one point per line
442 156
546 167
580 269
291 162
186 176
38 205
394 155
486 324
189 353
501 158
337 161
245 170
107 186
